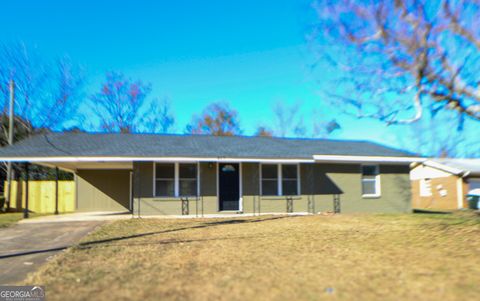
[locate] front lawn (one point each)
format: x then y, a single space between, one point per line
347 257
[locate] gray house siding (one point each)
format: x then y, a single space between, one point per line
109 158
103 190
319 183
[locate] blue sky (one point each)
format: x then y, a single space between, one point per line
249 53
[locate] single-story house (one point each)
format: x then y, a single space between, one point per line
151 174
443 184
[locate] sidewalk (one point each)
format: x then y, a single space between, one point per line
111 216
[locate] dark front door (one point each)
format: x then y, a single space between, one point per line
229 186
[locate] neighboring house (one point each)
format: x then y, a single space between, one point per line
443 184
194 174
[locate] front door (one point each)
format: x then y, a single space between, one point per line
229 186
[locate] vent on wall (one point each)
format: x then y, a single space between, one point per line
426 187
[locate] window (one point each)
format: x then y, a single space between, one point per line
425 187
289 180
370 181
279 179
188 179
269 179
165 179
175 179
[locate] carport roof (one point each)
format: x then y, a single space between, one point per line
143 146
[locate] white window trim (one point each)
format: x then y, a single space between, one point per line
378 185
280 179
176 179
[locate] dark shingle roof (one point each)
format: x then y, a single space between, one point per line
150 145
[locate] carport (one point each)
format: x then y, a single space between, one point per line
101 185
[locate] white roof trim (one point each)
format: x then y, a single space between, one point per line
157 159
366 159
316 158
446 168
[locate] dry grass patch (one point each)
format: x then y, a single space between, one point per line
9 219
348 257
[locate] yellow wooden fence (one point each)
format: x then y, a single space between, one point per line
41 196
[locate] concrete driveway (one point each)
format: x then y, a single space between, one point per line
26 246
79 217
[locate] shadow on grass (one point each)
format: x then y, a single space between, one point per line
90 244
164 242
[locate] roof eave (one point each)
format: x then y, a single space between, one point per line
443 167
367 159
148 159
315 158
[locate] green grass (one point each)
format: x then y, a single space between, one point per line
8 219
340 257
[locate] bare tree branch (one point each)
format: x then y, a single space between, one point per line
217 119
122 105
394 62
46 93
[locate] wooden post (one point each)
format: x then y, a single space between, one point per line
25 210
10 140
56 190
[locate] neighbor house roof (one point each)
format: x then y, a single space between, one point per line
148 146
463 167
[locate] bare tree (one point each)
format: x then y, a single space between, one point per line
217 119
161 118
424 137
323 128
396 59
122 105
263 131
47 93
22 129
290 122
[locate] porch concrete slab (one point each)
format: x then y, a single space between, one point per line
25 247
111 216
220 215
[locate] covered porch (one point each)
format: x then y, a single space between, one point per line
196 187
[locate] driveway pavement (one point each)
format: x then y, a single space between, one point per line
26 246
79 217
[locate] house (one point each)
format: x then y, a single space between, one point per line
196 174
443 184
